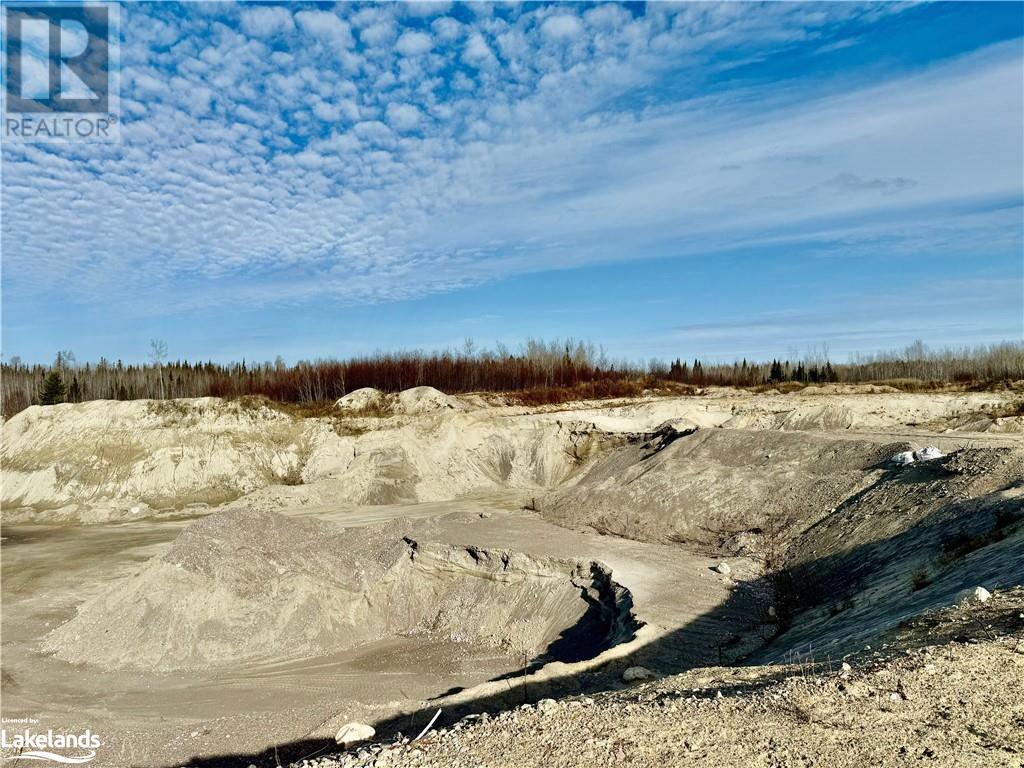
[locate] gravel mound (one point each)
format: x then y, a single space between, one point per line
244 585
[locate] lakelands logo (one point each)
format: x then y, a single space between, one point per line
60 71
26 744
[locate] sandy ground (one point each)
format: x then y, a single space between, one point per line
659 491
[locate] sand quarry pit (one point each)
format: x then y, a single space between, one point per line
207 582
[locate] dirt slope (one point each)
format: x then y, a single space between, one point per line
709 484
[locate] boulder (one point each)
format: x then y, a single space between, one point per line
633 674
353 733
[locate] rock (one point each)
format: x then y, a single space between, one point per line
353 733
633 674
981 594
546 705
723 568
928 453
902 459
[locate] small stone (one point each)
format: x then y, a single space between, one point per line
353 733
723 568
981 594
633 674
546 705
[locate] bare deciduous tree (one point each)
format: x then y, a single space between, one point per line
157 354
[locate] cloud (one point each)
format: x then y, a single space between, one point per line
326 26
403 117
256 169
562 27
477 53
447 29
378 34
414 43
849 182
266 21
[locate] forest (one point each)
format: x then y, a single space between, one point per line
538 372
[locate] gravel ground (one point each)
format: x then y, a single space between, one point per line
946 689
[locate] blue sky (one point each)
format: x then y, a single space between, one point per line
688 179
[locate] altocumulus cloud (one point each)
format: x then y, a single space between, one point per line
278 153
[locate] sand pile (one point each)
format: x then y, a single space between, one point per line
364 399
420 400
239 586
409 402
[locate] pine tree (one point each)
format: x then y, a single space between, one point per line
75 391
52 390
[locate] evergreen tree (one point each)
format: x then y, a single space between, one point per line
75 391
52 390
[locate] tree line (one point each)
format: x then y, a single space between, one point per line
548 370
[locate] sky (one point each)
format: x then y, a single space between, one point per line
714 180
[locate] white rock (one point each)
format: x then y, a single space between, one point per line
902 459
633 674
981 594
353 733
723 568
928 453
546 705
